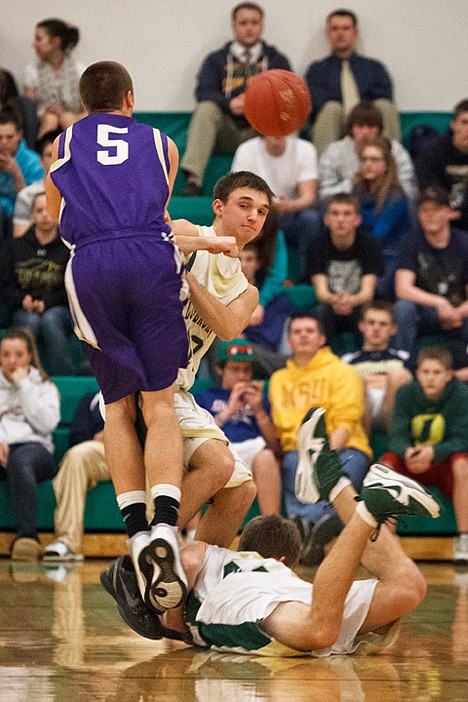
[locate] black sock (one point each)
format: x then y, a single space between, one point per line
134 516
166 510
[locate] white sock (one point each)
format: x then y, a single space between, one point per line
366 516
336 489
125 499
166 489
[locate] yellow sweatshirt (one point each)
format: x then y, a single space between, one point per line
324 382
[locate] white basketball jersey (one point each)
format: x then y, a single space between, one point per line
223 278
221 562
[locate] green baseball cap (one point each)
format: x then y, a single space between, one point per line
236 350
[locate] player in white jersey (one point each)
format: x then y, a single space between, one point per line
251 603
220 304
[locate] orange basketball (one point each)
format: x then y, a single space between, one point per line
277 102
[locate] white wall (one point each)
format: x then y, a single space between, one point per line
162 42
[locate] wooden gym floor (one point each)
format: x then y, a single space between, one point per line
62 640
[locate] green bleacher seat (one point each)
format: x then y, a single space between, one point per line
303 296
196 209
72 389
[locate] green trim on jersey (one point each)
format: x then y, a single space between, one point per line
247 635
233 567
191 261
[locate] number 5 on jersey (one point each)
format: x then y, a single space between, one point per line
117 147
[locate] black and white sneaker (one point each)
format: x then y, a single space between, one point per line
388 495
318 468
121 583
159 564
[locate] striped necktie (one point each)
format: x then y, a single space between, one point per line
247 60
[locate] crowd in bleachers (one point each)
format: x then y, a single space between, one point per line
381 235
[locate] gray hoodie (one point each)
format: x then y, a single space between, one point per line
29 410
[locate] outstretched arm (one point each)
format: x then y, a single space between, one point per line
219 244
189 238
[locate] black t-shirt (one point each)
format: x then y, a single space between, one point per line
439 271
345 268
440 163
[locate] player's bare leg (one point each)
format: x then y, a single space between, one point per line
209 469
385 494
124 454
222 520
306 628
155 556
401 584
266 473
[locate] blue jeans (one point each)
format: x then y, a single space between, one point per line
53 326
28 465
355 464
413 320
385 288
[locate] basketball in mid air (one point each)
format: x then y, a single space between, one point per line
277 102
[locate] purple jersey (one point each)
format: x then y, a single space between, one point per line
112 173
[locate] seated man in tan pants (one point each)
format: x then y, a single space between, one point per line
82 467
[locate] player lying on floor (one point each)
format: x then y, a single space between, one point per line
251 603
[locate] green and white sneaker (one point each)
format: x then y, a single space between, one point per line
318 468
387 495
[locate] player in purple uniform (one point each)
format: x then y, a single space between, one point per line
110 184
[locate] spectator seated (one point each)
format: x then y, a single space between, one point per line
102 515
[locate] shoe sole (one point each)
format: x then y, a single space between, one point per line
305 488
122 606
164 589
387 478
26 553
308 426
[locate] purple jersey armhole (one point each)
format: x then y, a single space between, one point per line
166 150
61 145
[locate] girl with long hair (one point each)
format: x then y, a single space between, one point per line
53 80
385 209
29 413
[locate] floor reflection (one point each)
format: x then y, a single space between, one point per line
61 640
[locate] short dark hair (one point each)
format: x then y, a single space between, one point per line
460 107
8 87
69 34
273 536
344 199
364 113
46 139
241 179
379 306
436 353
343 13
10 115
306 315
435 194
246 6
104 85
